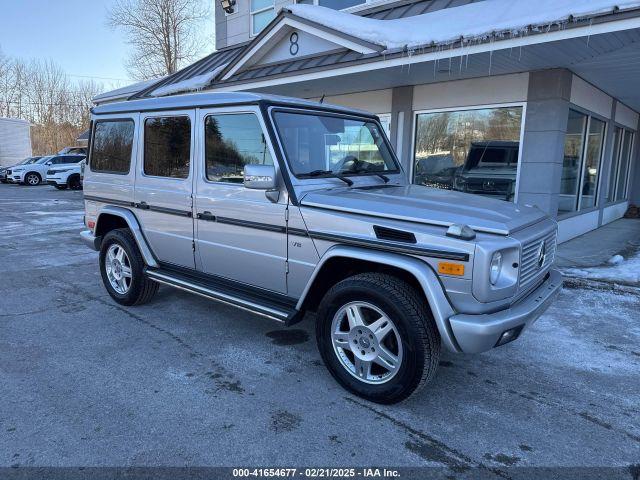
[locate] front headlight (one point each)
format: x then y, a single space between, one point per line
495 268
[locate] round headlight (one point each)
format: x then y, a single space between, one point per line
496 268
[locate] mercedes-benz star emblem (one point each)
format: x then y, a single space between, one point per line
542 254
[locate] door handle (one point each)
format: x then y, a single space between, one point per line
143 206
207 216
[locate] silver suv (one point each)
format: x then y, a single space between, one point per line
282 207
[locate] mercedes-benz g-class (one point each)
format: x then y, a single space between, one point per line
281 207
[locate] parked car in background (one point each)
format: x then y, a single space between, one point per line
323 221
490 169
3 170
73 150
66 176
35 173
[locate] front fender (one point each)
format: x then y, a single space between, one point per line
421 271
132 222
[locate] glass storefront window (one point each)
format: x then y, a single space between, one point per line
573 147
591 169
625 160
474 151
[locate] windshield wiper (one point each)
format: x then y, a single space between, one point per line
328 173
384 178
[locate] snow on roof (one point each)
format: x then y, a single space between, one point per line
192 84
472 21
125 91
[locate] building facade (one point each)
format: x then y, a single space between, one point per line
542 113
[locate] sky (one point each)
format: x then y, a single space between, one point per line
73 33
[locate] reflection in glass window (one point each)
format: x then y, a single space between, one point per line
111 146
625 160
262 12
167 146
329 144
231 142
474 151
591 168
573 147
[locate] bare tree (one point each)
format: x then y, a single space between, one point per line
41 92
164 34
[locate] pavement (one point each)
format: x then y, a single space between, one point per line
595 248
182 381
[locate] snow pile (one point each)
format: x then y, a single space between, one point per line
126 91
193 84
474 21
617 270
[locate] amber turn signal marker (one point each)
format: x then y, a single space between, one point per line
447 268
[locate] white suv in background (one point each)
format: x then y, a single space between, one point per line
35 173
66 176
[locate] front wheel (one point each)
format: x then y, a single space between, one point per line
122 269
32 179
74 182
377 337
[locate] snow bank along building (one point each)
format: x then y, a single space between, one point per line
534 102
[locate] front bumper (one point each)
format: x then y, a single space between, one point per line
479 333
55 181
90 240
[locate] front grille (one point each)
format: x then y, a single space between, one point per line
529 261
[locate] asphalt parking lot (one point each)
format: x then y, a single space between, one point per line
186 382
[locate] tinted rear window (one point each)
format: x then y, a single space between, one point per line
111 146
167 146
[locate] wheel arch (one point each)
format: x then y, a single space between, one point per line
24 178
344 261
110 217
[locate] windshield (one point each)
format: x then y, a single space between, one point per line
43 160
326 145
29 161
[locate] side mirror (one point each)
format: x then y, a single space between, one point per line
260 177
49 163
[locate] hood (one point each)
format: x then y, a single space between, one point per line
416 203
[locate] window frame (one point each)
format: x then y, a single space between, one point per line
583 163
616 164
92 144
252 13
303 111
143 142
489 106
202 122
583 157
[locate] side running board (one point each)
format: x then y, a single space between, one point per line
276 307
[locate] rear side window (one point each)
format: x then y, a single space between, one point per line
111 146
167 146
231 142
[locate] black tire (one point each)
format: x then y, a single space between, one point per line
34 175
414 323
141 289
74 183
61 187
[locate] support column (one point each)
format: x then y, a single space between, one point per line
634 172
544 136
402 124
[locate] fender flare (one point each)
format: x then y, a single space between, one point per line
431 286
132 222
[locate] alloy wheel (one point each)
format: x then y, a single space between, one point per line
118 268
33 179
366 342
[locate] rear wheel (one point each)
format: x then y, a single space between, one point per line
377 337
122 269
32 179
74 182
